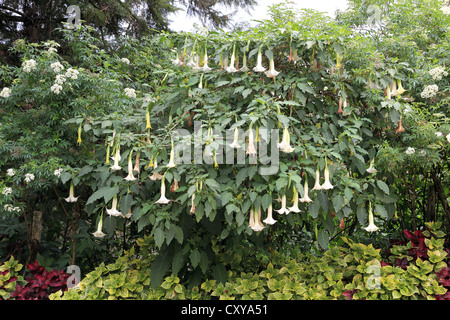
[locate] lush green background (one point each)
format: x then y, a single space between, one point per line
354 57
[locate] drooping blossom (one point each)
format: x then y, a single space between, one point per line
284 145
205 67
283 209
116 159
99 233
113 211
317 185
251 150
327 184
172 163
272 73
294 207
255 219
163 199
235 143
231 68
259 67
305 197
371 227
71 197
371 168
244 67
269 220
130 176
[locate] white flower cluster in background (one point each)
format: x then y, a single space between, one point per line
57 66
410 151
72 73
58 172
5 93
6 191
10 172
131 93
56 88
438 72
445 9
10 208
429 91
29 65
29 177
125 60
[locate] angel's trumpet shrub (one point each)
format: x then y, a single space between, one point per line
205 67
259 67
255 220
113 211
116 159
371 227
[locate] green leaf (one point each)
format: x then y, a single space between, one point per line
106 192
159 236
383 186
160 266
322 239
195 257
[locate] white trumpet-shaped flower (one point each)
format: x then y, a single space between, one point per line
171 163
251 150
205 67
295 208
177 61
231 68
371 227
255 220
371 168
71 197
113 211
235 143
163 199
99 233
130 176
317 185
305 197
327 184
259 67
244 67
283 209
269 220
284 145
116 160
272 73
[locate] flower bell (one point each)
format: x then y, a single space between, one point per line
244 67
327 184
163 199
284 145
317 185
116 159
136 163
371 168
171 163
113 211
99 233
272 73
235 143
205 67
177 61
305 197
255 220
251 150
371 227
295 208
269 220
130 176
259 67
283 209
79 135
231 68
156 175
400 89
341 102
147 118
400 128
71 197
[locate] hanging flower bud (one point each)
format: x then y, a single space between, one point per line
342 224
174 186
147 118
79 134
192 204
400 128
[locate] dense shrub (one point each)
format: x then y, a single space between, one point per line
415 269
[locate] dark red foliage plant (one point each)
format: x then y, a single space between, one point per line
40 283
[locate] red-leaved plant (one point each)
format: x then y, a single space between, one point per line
41 283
